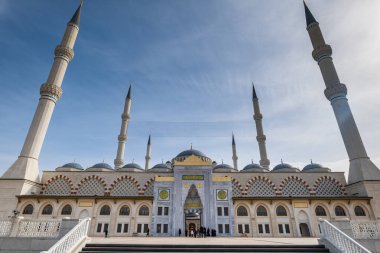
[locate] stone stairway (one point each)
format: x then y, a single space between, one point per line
152 248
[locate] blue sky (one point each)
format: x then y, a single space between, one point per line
191 64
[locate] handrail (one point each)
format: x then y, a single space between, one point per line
72 239
339 239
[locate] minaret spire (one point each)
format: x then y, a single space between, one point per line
234 156
122 138
361 167
258 117
147 157
26 166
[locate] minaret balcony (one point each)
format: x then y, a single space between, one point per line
322 52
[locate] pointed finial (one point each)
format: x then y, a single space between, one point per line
222 161
281 161
149 140
133 160
233 139
162 161
311 161
254 95
252 161
76 17
309 16
191 146
129 91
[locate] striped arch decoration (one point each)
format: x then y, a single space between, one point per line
147 190
92 185
125 186
260 186
328 186
294 186
237 188
58 185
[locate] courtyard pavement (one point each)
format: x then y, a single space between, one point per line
205 241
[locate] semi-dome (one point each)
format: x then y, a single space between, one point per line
315 167
254 167
70 167
284 167
131 167
223 168
161 167
100 167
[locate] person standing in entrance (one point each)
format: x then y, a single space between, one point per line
179 232
106 233
147 232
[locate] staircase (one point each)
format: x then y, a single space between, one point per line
153 248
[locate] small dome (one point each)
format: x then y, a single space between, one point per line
161 167
100 167
254 167
315 167
70 167
284 167
131 167
223 168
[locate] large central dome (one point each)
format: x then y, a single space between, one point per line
192 157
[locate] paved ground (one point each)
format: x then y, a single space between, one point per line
206 241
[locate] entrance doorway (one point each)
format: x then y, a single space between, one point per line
304 229
193 211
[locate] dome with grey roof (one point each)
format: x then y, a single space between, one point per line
131 167
284 167
70 167
161 167
315 167
223 168
100 167
254 167
184 154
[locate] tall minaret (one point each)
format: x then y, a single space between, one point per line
234 156
122 138
264 161
361 167
147 157
26 166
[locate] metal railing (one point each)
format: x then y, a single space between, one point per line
33 228
72 239
340 240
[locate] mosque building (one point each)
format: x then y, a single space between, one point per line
191 190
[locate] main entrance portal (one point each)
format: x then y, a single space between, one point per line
193 211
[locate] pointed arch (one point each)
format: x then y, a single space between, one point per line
58 185
92 185
260 186
237 188
328 186
294 186
148 187
125 186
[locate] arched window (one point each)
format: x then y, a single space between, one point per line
262 211
144 211
124 210
339 211
242 211
66 210
28 209
320 211
359 211
105 210
281 211
48 209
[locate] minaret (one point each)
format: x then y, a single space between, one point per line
258 117
26 166
147 157
122 138
361 167
234 156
